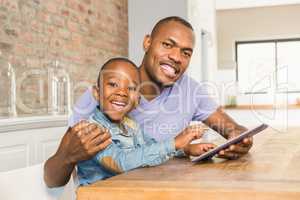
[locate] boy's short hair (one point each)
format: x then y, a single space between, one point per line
115 59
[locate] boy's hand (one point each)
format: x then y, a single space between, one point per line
187 135
198 149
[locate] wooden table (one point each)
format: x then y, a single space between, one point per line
271 171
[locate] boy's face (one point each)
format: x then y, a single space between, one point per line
118 93
168 52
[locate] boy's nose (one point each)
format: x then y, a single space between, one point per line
122 92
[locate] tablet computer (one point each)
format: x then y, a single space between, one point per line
213 152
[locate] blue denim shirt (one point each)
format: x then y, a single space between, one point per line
130 149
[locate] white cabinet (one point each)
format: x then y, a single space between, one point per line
29 141
280 119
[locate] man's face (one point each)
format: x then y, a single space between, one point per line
168 52
118 93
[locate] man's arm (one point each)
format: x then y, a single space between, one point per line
80 142
227 127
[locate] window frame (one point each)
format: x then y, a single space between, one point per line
276 60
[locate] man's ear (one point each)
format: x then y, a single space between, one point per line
146 42
137 101
95 91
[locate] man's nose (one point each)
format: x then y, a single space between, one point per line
175 55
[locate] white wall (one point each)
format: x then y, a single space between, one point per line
142 16
232 4
202 15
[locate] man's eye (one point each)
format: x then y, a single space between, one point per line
167 45
112 84
132 88
187 54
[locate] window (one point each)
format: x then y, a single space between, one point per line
268 65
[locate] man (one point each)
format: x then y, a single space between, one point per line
170 100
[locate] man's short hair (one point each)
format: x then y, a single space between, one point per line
115 59
168 19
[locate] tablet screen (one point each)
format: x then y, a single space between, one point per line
235 140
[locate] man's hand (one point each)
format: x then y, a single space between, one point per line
79 143
83 141
187 135
237 150
226 126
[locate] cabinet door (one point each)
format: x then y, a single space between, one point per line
20 149
15 150
47 143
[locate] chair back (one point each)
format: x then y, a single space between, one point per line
28 184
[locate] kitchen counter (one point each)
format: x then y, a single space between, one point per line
35 122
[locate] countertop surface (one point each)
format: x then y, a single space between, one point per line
269 171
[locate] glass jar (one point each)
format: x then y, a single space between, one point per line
59 89
7 88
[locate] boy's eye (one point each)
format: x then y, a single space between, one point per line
112 84
167 45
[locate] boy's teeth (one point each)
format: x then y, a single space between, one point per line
119 103
119 106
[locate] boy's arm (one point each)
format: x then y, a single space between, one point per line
178 153
118 160
148 152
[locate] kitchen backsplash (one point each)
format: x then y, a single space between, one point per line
54 49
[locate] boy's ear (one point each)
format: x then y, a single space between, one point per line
146 42
95 91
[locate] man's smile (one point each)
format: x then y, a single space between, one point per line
169 69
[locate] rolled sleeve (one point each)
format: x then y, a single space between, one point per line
168 147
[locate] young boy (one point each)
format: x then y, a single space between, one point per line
117 93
